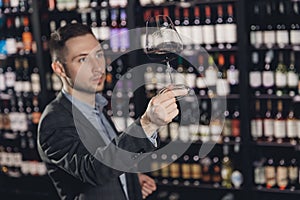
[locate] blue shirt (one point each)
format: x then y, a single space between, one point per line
99 121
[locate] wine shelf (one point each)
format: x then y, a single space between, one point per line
275 190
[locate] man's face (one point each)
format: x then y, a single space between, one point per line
85 64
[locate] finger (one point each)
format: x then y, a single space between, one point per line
172 115
150 186
144 194
169 94
147 190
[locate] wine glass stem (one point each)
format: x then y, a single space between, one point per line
169 70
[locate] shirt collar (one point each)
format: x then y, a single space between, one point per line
100 103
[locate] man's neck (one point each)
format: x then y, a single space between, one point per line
86 97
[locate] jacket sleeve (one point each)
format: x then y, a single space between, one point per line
63 147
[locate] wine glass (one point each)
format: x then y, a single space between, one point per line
163 43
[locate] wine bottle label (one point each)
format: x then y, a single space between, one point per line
215 130
10 79
186 171
124 39
18 86
145 2
235 125
255 79
204 133
222 87
175 170
22 121
282 177
233 76
14 3
26 86
291 128
282 37
256 128
83 3
269 38
25 167
104 32
11 46
193 130
2 82
298 127
196 171
259 175
174 133
211 76
184 133
17 159
197 34
186 35
201 83
280 79
71 5
114 39
227 128
160 80
293 173
208 34
220 33
190 80
292 79
35 83
269 127
270 176
258 38
295 37
163 133
230 33
279 128
268 78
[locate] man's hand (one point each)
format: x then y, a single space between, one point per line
161 110
147 184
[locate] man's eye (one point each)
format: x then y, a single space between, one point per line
81 60
99 55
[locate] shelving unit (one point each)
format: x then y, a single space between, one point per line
243 149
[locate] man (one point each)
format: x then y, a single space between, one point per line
84 156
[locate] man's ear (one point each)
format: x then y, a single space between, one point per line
58 68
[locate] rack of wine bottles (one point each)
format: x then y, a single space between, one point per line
274 93
245 52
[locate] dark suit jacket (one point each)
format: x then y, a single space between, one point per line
72 149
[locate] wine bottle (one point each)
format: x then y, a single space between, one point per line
268 74
282 34
226 171
230 28
280 76
123 31
291 126
204 121
279 124
295 27
222 85
256 33
185 29
233 75
255 75
211 76
292 76
270 173
216 172
220 28
200 81
269 123
293 174
114 32
269 35
257 123
206 163
259 173
235 122
104 30
282 175
197 33
208 29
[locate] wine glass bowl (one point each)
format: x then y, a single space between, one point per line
163 44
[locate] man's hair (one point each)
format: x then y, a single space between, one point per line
60 36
